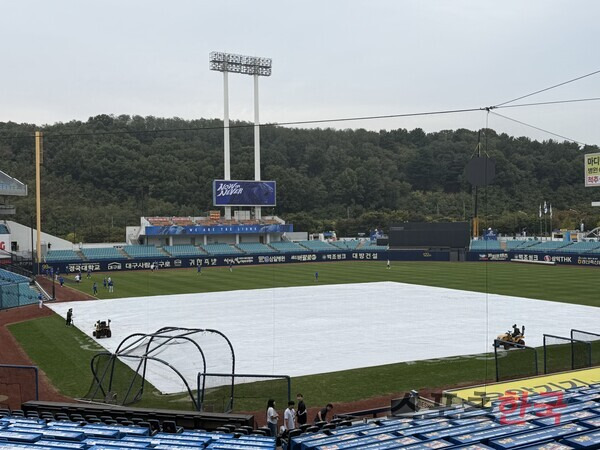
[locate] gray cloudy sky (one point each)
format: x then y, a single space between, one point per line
64 60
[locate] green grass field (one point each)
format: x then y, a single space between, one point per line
64 354
569 284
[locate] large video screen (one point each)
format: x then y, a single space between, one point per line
243 193
424 234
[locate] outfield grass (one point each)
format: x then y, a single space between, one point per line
60 351
569 284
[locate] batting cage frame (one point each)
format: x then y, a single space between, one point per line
228 408
519 355
593 339
148 344
14 384
573 353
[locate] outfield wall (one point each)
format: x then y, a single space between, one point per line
576 259
244 260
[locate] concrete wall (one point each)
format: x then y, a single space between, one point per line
22 235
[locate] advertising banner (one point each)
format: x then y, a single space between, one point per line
4 243
592 170
173 230
243 193
244 260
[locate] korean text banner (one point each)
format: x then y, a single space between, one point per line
592 169
243 193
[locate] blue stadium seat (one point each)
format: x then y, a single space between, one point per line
62 256
143 251
184 250
255 248
94 254
221 249
288 247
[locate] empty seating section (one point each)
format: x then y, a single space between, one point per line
15 290
46 432
182 221
93 254
221 249
317 246
581 247
485 245
11 277
62 255
527 425
545 246
255 248
143 251
550 421
370 246
346 244
287 247
184 250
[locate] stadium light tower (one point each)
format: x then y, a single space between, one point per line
247 65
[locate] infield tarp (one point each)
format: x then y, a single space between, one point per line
316 329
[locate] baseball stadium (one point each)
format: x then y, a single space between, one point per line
415 334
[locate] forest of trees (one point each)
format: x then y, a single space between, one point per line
101 175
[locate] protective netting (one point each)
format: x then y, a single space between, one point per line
593 339
515 362
242 392
172 357
16 294
562 354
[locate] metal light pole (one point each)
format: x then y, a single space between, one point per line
248 65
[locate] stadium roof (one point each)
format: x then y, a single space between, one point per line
11 186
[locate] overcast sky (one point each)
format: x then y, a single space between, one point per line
64 60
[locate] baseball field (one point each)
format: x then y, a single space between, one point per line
64 353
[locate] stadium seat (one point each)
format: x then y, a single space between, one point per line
288 247
184 250
62 256
255 248
221 249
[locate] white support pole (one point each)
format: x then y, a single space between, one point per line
226 149
257 210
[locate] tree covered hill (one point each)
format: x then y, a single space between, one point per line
101 175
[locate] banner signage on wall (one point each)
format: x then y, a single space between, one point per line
243 260
4 243
562 258
174 230
243 193
592 170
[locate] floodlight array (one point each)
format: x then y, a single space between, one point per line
248 65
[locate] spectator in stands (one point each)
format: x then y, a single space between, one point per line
272 417
289 418
302 413
95 288
69 317
322 414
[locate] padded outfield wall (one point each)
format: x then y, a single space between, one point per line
576 259
244 260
